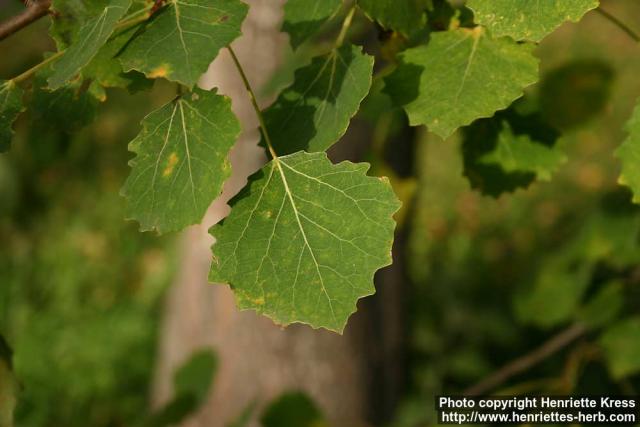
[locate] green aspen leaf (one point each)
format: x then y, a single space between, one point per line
304 239
92 35
105 70
181 161
496 150
405 16
10 107
603 307
556 293
183 38
527 19
314 112
69 16
629 155
293 409
622 347
303 19
461 75
518 153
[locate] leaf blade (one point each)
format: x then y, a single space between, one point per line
92 35
315 111
528 20
304 210
176 176
480 73
405 16
10 107
301 21
183 38
629 155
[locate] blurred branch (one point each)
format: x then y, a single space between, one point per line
525 362
619 24
35 10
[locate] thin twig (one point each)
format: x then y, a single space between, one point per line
34 11
619 24
525 362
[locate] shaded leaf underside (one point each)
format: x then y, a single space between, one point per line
315 111
92 35
303 19
405 16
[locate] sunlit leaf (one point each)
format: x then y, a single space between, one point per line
460 76
181 161
304 239
183 38
528 19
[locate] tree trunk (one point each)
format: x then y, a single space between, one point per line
257 360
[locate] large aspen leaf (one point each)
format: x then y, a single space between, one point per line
183 38
10 107
304 239
460 76
629 155
181 161
527 19
405 16
314 112
92 35
303 19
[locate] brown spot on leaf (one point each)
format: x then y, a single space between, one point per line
223 18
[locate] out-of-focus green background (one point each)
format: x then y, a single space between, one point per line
490 279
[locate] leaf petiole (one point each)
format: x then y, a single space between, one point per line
254 103
345 26
31 71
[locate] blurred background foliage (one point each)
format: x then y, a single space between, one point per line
498 261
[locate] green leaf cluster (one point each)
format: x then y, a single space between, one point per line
305 236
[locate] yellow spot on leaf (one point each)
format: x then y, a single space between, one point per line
173 160
160 71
